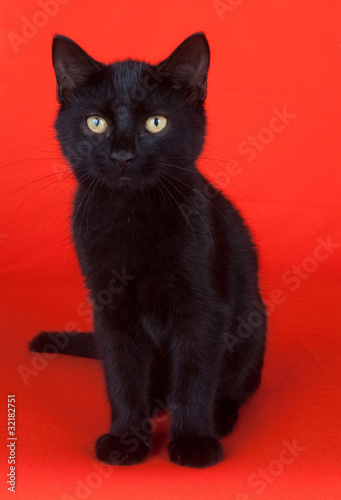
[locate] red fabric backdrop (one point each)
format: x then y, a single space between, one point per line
273 146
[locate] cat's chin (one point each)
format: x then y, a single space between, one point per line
127 182
130 183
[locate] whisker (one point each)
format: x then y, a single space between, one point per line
230 185
204 157
45 150
252 205
44 208
29 159
176 166
192 205
206 201
50 215
183 213
93 182
162 193
82 177
30 196
33 182
89 203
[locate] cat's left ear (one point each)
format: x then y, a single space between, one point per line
188 66
72 66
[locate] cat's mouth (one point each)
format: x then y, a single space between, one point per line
126 180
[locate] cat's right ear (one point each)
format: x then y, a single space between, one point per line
188 66
72 66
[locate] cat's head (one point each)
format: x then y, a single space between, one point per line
129 124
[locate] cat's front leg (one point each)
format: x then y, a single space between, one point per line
126 367
196 358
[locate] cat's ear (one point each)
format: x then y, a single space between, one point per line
72 65
188 66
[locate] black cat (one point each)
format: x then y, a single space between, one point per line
170 265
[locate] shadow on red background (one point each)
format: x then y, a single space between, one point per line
273 142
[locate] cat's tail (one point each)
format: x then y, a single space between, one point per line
74 343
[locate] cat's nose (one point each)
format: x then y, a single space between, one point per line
122 158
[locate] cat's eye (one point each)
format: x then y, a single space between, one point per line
156 123
97 124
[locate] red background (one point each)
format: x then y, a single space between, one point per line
268 57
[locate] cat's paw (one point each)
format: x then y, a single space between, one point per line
225 416
195 451
114 450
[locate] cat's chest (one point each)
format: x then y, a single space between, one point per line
122 234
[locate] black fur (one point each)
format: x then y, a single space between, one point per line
170 265
74 343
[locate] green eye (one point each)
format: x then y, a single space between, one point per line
156 123
97 124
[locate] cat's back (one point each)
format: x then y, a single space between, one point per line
234 257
